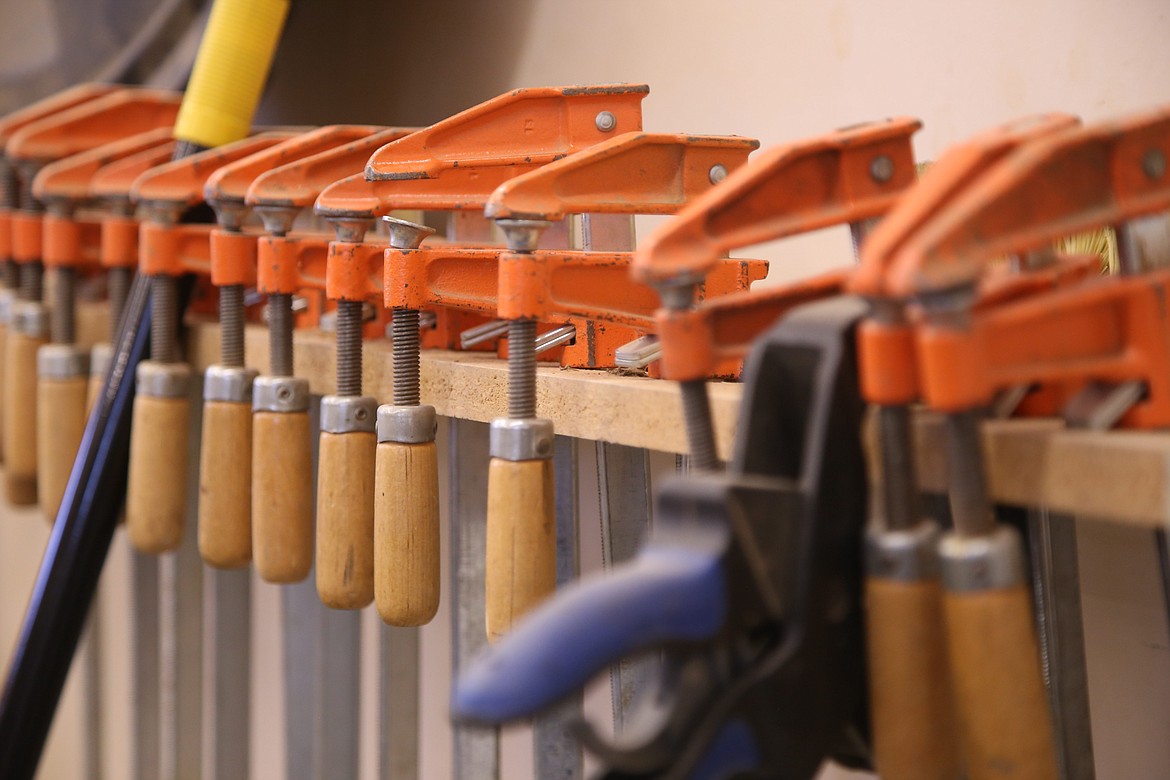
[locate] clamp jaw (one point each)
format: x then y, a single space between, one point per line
749 585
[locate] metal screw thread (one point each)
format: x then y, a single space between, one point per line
62 324
186 149
9 187
32 282
280 334
9 274
700 429
898 486
404 330
163 322
522 369
27 201
970 505
349 348
231 325
119 283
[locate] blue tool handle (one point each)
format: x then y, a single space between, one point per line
666 594
732 753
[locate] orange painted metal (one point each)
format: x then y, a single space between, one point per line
846 176
695 341
1078 180
296 185
1106 329
946 180
179 183
643 173
10 123
455 164
71 242
27 236
119 114
53 104
174 249
592 290
65 185
519 129
296 263
231 182
112 182
353 270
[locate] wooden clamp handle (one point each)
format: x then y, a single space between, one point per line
345 519
156 494
914 730
1006 727
521 540
61 415
282 497
20 417
225 484
406 532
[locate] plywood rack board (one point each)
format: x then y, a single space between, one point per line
1121 476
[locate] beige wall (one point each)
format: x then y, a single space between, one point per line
772 69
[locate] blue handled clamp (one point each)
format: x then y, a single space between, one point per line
750 585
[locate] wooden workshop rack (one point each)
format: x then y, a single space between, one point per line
1118 476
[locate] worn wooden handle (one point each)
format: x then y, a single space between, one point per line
156 491
1005 725
282 496
406 532
20 417
914 730
61 415
345 519
3 373
521 540
225 484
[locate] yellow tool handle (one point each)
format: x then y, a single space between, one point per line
225 484
521 540
230 70
406 532
345 519
914 731
1006 727
61 414
282 496
20 417
156 496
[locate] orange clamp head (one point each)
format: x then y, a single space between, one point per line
281 193
1063 183
178 185
112 182
548 122
956 170
93 123
457 163
633 173
54 104
69 180
229 185
846 176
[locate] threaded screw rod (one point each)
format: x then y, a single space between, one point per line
119 280
349 348
404 330
280 334
164 322
32 281
231 325
62 322
522 369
